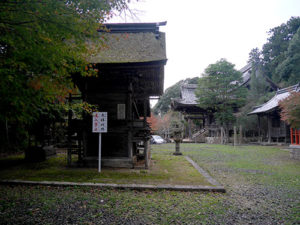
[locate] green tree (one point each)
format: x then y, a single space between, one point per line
289 68
41 44
164 103
219 91
274 51
258 83
258 88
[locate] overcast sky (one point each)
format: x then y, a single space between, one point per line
200 32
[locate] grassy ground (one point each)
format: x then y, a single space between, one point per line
262 188
268 165
164 169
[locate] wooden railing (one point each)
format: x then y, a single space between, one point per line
278 132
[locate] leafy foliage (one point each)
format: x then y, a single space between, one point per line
41 44
258 83
279 54
289 68
219 91
278 62
164 103
154 122
290 110
259 92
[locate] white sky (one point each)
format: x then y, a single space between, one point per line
200 32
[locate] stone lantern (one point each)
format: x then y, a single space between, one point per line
177 135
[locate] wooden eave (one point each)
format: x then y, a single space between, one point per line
147 78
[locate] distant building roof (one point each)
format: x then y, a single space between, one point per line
130 43
246 76
246 72
188 101
273 103
187 95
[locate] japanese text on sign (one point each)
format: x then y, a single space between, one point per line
99 122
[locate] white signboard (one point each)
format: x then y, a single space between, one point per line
99 122
99 126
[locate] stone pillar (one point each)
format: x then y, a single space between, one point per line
177 139
177 148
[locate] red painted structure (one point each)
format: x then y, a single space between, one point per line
295 136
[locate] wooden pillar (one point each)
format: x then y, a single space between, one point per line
69 153
147 153
146 142
84 116
291 133
259 129
285 132
269 128
129 120
189 128
84 141
145 113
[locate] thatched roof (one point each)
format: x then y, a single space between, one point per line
131 43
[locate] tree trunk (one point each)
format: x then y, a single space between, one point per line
241 135
235 136
226 134
7 133
221 136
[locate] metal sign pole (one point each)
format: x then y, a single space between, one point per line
99 160
99 126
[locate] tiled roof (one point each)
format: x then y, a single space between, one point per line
274 102
246 71
187 95
246 76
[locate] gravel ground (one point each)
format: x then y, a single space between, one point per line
262 183
254 203
268 192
